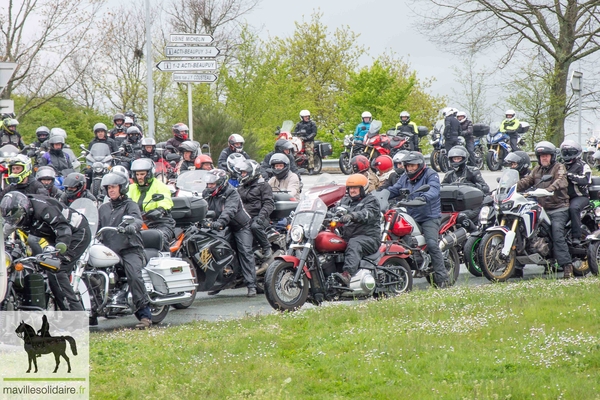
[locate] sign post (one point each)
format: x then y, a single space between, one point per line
7 69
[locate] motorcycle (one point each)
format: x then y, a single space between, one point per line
321 149
99 160
390 143
307 271
524 234
487 218
498 144
352 148
438 159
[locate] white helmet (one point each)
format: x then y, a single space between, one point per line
58 132
128 120
511 113
451 111
366 114
461 114
304 113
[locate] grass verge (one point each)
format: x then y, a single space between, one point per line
533 339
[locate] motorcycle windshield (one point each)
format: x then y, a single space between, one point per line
99 152
287 126
374 128
8 151
192 181
310 215
509 178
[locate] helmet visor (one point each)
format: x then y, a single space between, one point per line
568 152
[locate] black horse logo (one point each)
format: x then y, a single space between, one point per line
36 345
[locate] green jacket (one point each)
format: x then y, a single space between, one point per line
411 127
510 126
145 196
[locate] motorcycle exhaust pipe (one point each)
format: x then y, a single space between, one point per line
455 238
164 301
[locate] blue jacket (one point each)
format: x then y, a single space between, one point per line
359 133
433 208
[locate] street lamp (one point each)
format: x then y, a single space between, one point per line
577 86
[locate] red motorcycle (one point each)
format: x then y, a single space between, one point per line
321 149
377 144
307 271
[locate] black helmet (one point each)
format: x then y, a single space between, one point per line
282 144
46 173
458 151
42 133
74 185
113 178
414 157
570 151
15 208
117 117
252 169
190 146
280 159
143 164
219 177
519 157
545 147
131 115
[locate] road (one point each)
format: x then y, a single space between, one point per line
234 304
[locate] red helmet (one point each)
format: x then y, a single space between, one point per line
383 164
359 164
202 159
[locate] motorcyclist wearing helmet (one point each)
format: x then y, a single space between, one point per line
257 197
512 127
557 206
133 116
204 162
56 157
384 165
306 130
361 165
156 214
579 176
64 228
118 133
397 171
181 133
361 229
283 179
235 144
282 146
451 129
520 161
149 149
101 136
42 134
128 123
466 131
19 178
132 146
75 188
128 245
189 151
225 201
428 215
233 161
362 128
9 133
407 126
46 176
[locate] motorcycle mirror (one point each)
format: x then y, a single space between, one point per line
546 178
158 197
422 189
128 220
82 147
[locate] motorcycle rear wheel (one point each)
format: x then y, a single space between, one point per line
593 257
404 281
434 159
470 252
158 313
495 269
344 162
493 163
479 161
278 290
188 303
318 163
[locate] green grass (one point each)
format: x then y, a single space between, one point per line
537 339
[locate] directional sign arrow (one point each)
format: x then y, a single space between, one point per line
190 38
191 51
194 77
187 65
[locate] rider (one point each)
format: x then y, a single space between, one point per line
101 136
128 245
384 165
361 165
68 230
282 146
204 162
397 172
149 149
75 188
133 146
257 197
235 145
428 215
306 130
579 175
56 157
362 128
9 133
556 206
520 161
233 161
133 117
405 125
361 229
46 175
466 131
180 134
451 129
225 201
117 133
283 179
19 169
156 214
42 134
512 127
189 150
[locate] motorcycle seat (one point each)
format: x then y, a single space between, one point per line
153 242
373 257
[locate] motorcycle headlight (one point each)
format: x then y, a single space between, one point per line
297 233
597 212
507 206
484 213
347 141
8 259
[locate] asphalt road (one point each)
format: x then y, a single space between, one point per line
233 303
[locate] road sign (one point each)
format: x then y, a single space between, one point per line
190 38
194 77
7 106
187 65
6 72
191 51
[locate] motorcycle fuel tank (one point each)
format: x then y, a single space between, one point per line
102 257
328 242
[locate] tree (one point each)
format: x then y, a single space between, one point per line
473 90
565 31
45 38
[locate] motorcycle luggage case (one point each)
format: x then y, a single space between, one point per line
324 148
170 275
480 130
422 131
35 291
187 210
284 205
595 188
460 198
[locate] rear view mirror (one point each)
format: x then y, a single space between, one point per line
128 220
422 189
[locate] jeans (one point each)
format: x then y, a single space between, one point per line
431 229
560 250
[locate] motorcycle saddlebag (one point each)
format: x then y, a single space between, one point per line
35 291
595 188
422 131
284 205
170 275
460 198
187 210
480 130
324 148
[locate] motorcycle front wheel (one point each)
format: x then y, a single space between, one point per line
493 162
593 257
493 266
345 163
471 255
280 292
434 159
